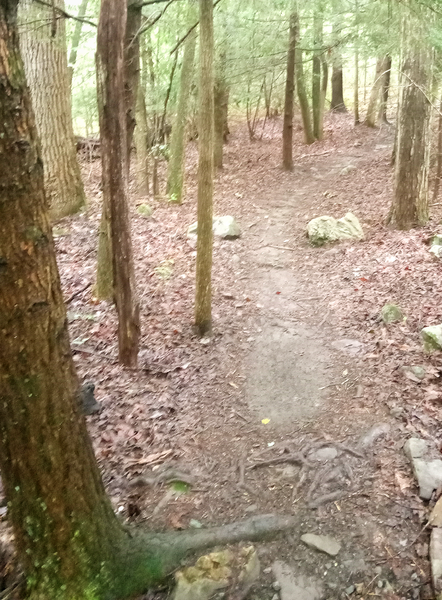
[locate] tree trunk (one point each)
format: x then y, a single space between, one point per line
309 138
175 176
113 138
356 82
287 131
76 37
317 100
372 109
203 297
337 103
410 205
141 135
439 155
221 109
45 57
131 69
382 116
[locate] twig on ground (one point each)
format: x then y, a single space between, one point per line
77 293
290 458
336 495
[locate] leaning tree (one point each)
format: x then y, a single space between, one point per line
69 541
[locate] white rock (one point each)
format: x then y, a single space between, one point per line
323 543
327 229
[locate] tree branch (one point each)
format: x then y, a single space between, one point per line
189 31
65 14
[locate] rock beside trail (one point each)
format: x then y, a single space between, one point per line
436 559
323 230
292 586
436 245
348 169
428 471
144 210
224 227
432 337
323 543
391 313
216 571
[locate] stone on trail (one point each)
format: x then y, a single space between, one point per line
436 249
414 372
323 230
428 475
415 448
223 227
373 434
348 169
437 240
323 543
432 337
436 559
296 587
391 313
435 519
144 210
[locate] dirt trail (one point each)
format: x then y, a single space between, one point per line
276 413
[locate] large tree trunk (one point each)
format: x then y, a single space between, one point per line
287 131
45 57
439 155
175 176
113 138
203 296
410 204
337 103
317 92
309 138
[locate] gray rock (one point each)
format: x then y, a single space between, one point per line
144 210
348 169
436 249
349 591
296 587
89 404
415 448
391 313
432 337
223 227
428 475
323 454
414 372
436 559
323 230
373 434
323 543
348 346
437 240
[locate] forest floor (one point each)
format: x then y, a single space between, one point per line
299 362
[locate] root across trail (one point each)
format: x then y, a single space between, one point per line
298 405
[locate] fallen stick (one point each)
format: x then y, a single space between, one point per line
291 458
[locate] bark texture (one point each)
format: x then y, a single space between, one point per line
373 103
175 176
412 156
141 138
45 57
113 138
221 110
287 130
203 297
439 155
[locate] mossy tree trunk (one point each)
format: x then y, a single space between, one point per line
45 57
203 296
175 175
113 138
309 138
410 204
287 130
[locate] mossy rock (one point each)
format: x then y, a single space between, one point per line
144 210
432 337
391 313
323 230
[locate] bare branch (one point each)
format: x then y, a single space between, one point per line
189 31
65 14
